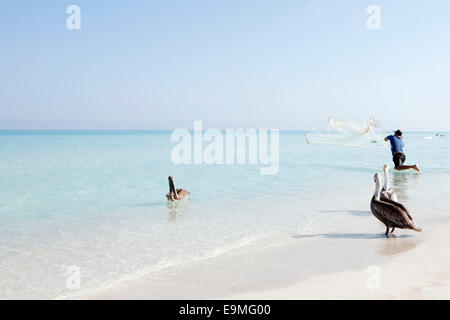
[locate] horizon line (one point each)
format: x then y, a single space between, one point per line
125 130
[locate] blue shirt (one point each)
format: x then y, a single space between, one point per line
396 143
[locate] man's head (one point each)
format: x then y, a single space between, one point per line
398 133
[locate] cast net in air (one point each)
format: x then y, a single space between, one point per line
347 132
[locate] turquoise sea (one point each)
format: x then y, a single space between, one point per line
96 200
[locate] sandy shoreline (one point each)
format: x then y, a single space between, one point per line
323 266
420 273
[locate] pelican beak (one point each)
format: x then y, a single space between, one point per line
171 184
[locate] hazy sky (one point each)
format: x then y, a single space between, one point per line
257 63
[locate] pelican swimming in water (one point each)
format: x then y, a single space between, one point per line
176 194
387 192
391 213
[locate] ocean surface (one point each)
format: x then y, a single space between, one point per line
94 202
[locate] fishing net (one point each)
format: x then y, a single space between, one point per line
347 132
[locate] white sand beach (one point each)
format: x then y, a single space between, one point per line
328 266
420 273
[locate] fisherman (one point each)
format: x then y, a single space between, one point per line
399 157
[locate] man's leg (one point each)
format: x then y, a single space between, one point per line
399 160
404 167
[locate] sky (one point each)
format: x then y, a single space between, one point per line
232 64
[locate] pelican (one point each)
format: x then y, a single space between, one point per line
176 194
391 213
387 192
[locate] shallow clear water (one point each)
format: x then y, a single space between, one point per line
96 200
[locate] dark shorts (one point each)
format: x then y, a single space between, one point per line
399 159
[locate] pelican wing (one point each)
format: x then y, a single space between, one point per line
402 207
393 214
182 193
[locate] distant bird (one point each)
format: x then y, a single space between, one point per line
387 192
392 214
176 194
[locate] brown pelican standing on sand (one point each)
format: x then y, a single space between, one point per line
391 213
387 192
176 194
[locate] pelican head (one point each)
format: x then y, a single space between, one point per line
377 178
386 186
